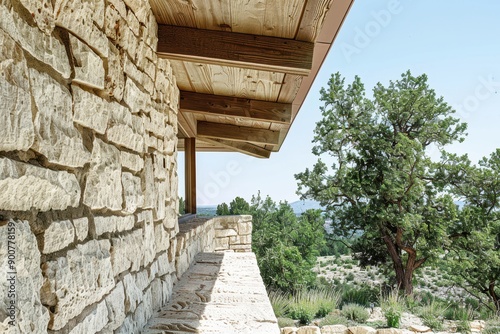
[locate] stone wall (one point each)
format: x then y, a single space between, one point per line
88 151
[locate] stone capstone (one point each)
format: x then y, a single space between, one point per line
80 279
17 130
89 68
103 188
23 186
31 315
55 136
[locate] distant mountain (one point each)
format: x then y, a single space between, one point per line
302 206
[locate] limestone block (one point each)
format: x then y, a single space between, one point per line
308 330
112 20
111 224
45 48
31 315
127 327
119 5
42 13
221 244
288 330
94 322
362 330
80 279
103 188
17 131
78 16
157 295
164 265
241 239
150 32
89 67
131 161
155 123
225 233
124 252
161 189
133 23
23 186
115 80
145 221
55 136
141 8
125 129
162 241
132 192
136 99
389 331
126 39
115 303
334 329
58 235
140 77
142 280
148 186
419 329
81 228
167 283
90 110
133 295
144 310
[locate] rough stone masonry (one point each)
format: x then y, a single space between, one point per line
88 152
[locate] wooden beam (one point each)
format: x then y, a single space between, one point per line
235 49
237 133
246 148
236 107
190 174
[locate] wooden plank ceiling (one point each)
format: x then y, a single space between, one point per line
244 67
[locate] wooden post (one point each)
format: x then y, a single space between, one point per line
190 172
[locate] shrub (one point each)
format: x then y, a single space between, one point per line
280 303
432 314
313 303
349 277
492 326
333 319
355 312
362 296
286 322
392 308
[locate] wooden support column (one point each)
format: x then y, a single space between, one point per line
190 172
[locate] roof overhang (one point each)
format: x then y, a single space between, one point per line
244 69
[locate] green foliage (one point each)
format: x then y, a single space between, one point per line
380 183
280 303
363 295
492 326
182 206
432 314
474 254
286 246
222 210
355 312
393 306
285 322
309 304
333 319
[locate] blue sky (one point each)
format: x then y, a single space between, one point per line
456 43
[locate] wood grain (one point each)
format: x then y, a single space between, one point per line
235 49
236 107
246 148
237 133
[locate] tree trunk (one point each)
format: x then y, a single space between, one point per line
494 297
396 262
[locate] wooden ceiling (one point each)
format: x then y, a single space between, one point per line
244 67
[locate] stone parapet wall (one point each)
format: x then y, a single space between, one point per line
222 233
88 166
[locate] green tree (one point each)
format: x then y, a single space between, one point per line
474 254
239 206
182 206
222 210
380 182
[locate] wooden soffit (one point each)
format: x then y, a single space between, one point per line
244 67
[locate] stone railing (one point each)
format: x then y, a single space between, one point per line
224 233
